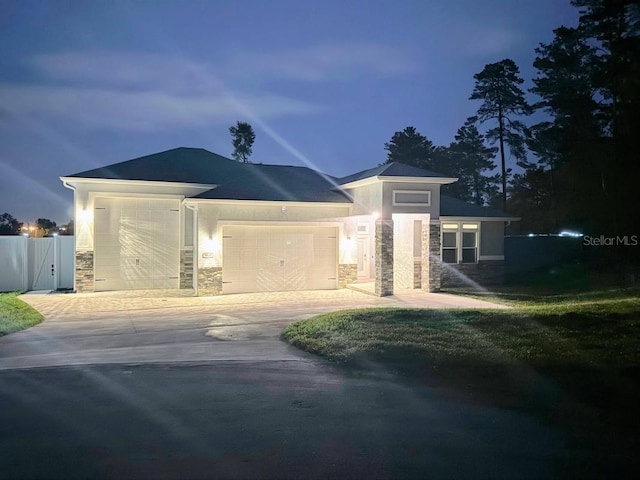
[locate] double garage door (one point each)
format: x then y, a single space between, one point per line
279 258
137 243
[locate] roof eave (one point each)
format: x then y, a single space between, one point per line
120 181
363 182
227 201
484 219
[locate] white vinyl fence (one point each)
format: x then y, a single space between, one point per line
36 263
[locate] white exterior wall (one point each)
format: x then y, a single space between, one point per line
387 199
367 199
405 236
212 217
87 192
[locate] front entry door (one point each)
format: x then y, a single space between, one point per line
364 257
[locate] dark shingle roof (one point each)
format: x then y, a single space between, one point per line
453 207
394 169
186 165
248 181
279 183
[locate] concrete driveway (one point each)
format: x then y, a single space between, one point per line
152 385
173 326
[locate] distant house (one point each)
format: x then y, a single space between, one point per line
188 218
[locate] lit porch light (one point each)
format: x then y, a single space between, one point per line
348 247
83 217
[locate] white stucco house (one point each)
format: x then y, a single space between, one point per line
188 218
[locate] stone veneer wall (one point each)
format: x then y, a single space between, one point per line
186 269
435 263
417 273
488 272
431 277
384 257
209 281
347 273
84 271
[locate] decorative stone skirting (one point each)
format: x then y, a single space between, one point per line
485 273
384 257
84 271
186 269
209 281
417 273
347 273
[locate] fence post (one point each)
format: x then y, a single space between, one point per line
56 261
25 263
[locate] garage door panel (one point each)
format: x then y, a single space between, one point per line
137 243
263 258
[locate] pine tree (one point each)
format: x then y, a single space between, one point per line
498 86
243 138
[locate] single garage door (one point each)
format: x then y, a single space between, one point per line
278 259
137 243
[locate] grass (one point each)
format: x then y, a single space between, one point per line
15 315
569 359
595 329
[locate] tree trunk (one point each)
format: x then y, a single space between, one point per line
504 168
476 184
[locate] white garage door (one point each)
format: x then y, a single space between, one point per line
262 258
137 243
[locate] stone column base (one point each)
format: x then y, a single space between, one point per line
84 271
347 274
209 281
186 269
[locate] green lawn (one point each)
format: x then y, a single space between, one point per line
16 315
595 329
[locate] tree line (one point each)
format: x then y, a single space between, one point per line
579 167
42 227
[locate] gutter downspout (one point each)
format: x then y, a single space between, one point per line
194 209
75 225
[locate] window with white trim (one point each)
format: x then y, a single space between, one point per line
412 198
459 242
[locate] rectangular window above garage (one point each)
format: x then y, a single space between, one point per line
411 198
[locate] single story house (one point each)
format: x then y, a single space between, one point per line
188 218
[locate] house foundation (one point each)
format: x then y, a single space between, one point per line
484 273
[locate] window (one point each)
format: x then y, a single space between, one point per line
469 247
459 243
411 198
449 247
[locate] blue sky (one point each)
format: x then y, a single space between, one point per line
324 83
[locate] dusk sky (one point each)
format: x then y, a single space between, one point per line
324 83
